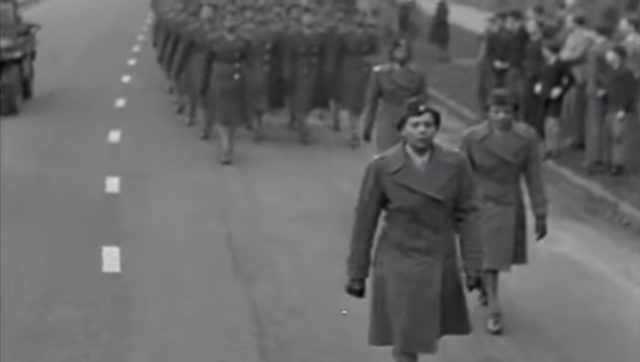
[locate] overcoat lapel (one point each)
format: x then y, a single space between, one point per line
430 182
506 148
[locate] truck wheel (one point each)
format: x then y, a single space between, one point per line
12 99
27 81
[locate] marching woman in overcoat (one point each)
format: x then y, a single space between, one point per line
262 73
427 193
184 51
225 98
360 45
501 153
303 71
390 87
192 76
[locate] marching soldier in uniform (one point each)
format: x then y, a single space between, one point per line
428 196
262 72
331 62
391 86
184 50
225 97
191 78
501 152
175 20
303 69
360 45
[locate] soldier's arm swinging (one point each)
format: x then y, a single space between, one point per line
370 204
372 97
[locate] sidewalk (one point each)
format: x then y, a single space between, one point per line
455 88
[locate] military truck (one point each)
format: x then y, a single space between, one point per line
17 57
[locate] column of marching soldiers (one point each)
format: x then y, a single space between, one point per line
231 63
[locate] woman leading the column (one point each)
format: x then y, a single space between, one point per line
427 193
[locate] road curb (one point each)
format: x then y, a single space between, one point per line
26 3
628 211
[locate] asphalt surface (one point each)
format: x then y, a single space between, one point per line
241 264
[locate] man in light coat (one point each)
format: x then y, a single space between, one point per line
574 52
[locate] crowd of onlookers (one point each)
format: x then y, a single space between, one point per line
576 83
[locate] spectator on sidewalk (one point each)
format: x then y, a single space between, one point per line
574 53
493 57
533 62
439 35
621 102
629 30
553 82
518 39
596 84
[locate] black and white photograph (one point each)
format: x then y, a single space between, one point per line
320 180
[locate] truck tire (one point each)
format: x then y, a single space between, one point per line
13 97
27 79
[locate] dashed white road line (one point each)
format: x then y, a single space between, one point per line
136 48
111 260
126 79
112 185
120 103
141 37
115 135
132 61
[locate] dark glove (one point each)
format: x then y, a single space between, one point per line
541 227
356 288
366 136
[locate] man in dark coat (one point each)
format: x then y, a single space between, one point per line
621 96
439 35
428 196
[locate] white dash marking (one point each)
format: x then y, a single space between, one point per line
141 36
112 185
136 49
131 62
115 135
111 261
126 79
120 103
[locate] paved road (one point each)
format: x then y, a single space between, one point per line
236 264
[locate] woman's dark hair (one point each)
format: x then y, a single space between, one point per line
400 42
417 108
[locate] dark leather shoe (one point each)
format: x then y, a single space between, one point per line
494 324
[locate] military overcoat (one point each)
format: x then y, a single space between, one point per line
263 89
390 87
303 70
225 97
355 69
417 296
500 163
